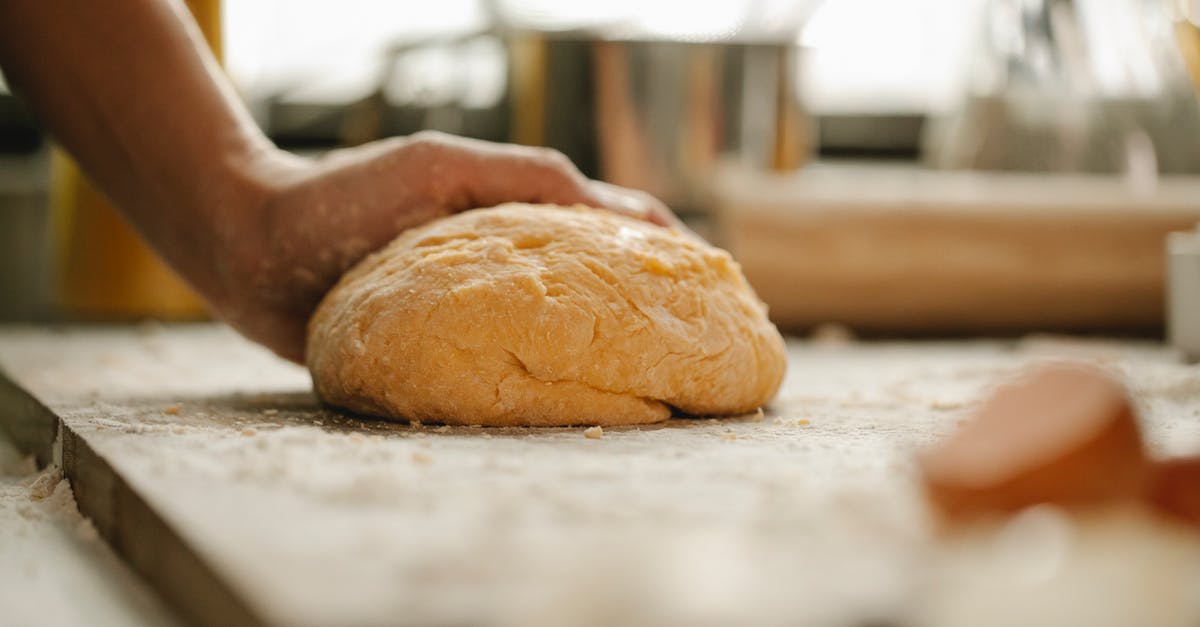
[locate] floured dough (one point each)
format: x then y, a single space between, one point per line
544 315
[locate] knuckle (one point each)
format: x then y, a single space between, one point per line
428 140
428 136
556 160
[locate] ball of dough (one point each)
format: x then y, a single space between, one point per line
544 316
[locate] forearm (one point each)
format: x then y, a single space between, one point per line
129 88
132 92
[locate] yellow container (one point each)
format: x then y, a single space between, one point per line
105 270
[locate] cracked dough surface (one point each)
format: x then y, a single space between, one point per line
544 316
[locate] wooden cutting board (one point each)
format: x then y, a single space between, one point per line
210 467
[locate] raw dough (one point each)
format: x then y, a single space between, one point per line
544 315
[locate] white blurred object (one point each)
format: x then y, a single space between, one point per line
675 20
1046 568
1075 86
883 56
330 52
862 55
1183 292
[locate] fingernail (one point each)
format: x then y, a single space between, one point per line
612 199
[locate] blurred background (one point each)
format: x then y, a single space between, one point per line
896 166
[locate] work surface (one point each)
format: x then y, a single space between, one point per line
213 470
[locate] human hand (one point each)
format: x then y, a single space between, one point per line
302 223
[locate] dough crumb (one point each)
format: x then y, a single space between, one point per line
415 424
803 422
248 432
422 458
44 485
104 423
593 433
172 410
729 435
270 412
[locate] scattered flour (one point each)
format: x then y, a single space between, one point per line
791 524
47 549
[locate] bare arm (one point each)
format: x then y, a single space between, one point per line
130 89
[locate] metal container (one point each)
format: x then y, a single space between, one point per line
653 114
660 115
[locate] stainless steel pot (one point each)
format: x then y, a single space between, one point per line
657 115
660 115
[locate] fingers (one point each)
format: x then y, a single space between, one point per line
634 203
485 174
525 174
640 205
468 173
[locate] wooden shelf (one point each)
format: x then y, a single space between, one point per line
910 250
